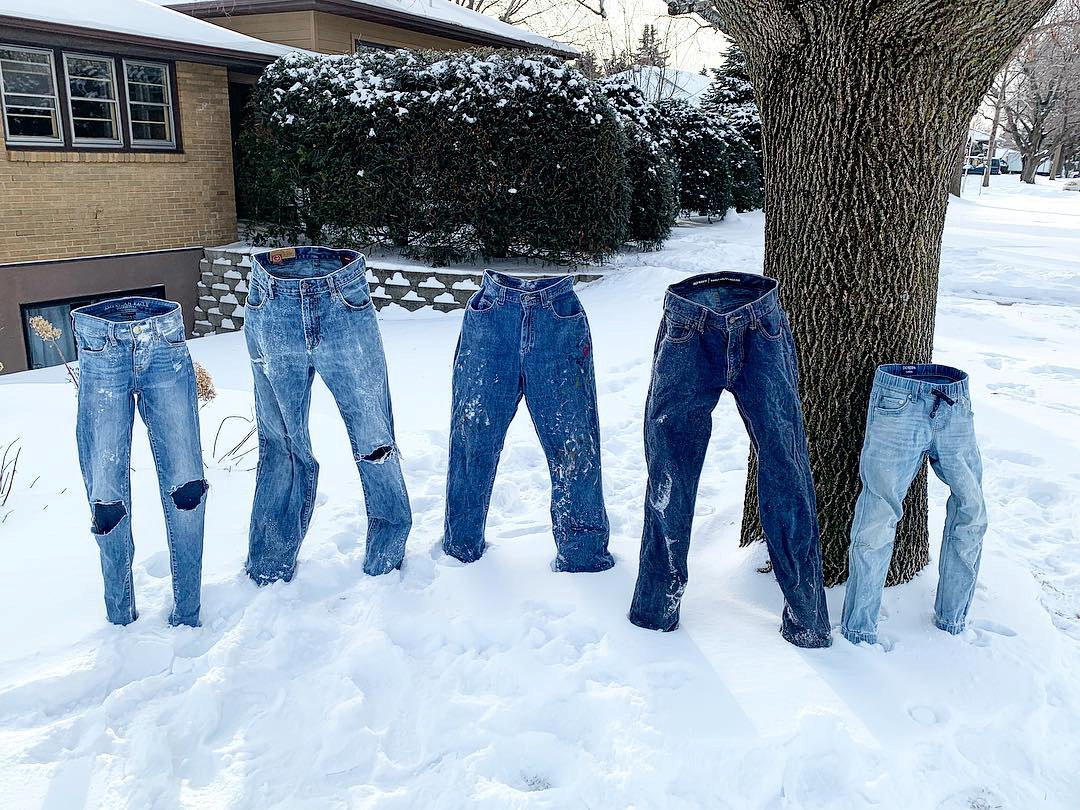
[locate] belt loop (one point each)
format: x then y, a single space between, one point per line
331 282
269 285
703 318
502 294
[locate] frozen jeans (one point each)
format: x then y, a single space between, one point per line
527 338
308 311
727 331
132 352
915 412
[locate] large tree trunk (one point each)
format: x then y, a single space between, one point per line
862 107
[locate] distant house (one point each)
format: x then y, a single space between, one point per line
664 83
117 163
345 26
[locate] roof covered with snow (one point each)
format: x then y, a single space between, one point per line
441 17
136 19
661 84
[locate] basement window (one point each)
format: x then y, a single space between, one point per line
28 94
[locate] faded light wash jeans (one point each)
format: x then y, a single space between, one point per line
308 311
132 352
527 339
915 412
727 331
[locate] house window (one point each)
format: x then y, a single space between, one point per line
92 99
28 93
360 45
149 100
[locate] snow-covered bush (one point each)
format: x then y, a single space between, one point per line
650 164
716 166
446 155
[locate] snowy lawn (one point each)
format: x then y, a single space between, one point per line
504 685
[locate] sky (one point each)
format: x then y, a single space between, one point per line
691 46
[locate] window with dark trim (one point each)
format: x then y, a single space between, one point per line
149 100
92 104
28 96
57 99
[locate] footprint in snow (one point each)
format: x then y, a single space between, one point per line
157 565
1012 390
1016 457
982 625
1056 372
928 715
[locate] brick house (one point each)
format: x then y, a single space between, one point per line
117 165
119 124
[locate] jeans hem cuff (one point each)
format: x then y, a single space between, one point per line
648 624
808 639
268 579
856 636
601 564
954 628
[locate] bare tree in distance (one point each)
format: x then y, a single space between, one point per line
863 106
1038 92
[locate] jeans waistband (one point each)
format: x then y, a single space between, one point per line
134 315
526 291
722 299
305 270
911 379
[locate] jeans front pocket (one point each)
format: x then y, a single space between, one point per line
890 403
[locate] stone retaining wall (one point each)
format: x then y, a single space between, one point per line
223 288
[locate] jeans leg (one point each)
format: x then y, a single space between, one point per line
106 412
766 391
486 392
560 392
287 474
956 461
891 456
686 384
352 363
169 409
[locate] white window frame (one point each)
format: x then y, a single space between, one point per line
33 140
115 101
148 144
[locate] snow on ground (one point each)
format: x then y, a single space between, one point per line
504 685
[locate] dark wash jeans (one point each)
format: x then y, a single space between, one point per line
727 331
308 311
132 352
527 338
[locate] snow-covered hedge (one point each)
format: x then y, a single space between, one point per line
717 167
445 154
651 165
465 154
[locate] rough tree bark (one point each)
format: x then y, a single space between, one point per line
852 228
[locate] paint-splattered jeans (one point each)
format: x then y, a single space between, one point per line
527 338
132 351
727 331
915 412
308 311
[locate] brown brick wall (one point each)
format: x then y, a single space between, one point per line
59 204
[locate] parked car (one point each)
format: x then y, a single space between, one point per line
978 166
